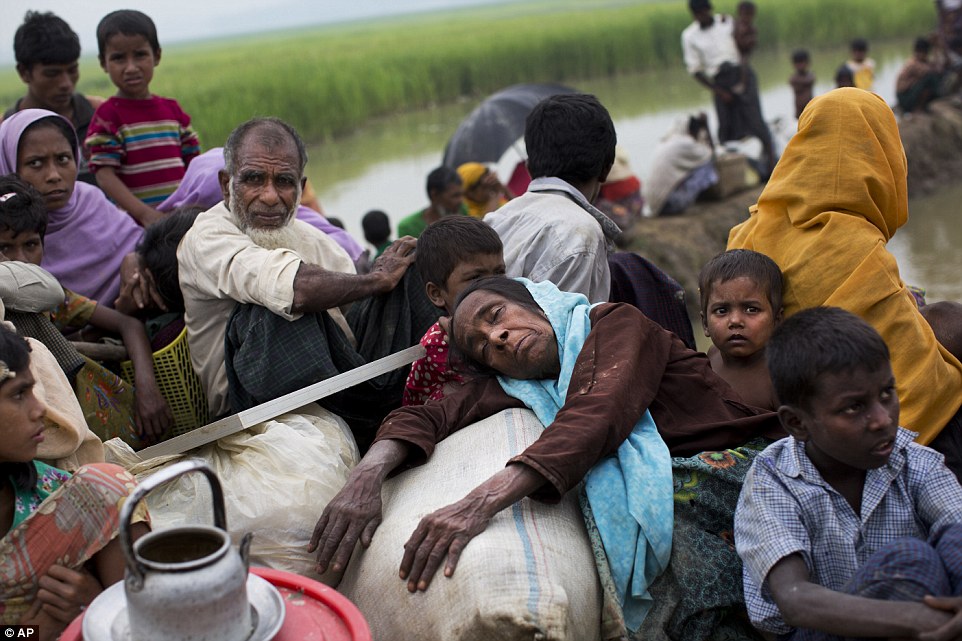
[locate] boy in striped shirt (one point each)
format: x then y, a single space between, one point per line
140 144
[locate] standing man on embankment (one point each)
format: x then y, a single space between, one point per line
712 58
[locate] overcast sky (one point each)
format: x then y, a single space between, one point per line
179 20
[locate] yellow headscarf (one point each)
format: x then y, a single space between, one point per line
835 198
471 173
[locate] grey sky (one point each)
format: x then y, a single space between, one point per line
179 20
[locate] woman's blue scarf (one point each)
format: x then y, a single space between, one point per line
630 492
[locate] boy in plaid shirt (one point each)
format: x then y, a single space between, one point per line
847 514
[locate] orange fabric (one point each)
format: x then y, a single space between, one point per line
836 197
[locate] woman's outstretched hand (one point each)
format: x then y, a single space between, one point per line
355 512
445 533
352 515
442 534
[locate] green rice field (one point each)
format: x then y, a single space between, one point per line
328 80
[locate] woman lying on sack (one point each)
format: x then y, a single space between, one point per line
619 396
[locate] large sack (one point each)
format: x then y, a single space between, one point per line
529 575
277 477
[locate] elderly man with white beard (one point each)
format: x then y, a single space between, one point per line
279 287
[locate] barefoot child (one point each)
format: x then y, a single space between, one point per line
138 420
741 303
452 253
802 81
58 549
140 144
847 514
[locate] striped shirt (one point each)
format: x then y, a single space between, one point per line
149 142
787 508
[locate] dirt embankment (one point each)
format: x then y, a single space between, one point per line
680 245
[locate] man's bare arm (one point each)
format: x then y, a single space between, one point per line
317 289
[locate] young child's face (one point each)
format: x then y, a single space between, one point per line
851 421
472 268
25 246
21 419
858 55
801 67
129 60
746 14
45 160
739 318
52 85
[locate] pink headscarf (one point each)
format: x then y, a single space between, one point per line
88 237
201 188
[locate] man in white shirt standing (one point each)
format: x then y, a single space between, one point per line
712 58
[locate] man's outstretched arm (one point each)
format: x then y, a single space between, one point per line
317 289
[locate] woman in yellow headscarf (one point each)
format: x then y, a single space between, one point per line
835 199
483 192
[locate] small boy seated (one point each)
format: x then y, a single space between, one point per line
741 303
919 81
452 253
140 144
847 513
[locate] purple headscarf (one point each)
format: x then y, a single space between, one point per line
88 237
201 188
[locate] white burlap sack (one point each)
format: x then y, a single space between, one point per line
277 477
529 575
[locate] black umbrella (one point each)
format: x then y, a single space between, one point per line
497 122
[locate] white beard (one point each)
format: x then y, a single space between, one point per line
281 238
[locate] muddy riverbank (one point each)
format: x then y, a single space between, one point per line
680 245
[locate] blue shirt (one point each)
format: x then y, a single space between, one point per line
786 508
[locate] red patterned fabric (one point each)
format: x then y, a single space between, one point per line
69 527
430 374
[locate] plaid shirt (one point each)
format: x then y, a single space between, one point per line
786 508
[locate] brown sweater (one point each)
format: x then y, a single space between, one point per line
628 364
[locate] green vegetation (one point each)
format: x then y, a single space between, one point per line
329 80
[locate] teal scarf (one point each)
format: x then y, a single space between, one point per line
630 492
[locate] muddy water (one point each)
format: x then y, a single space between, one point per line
384 165
929 246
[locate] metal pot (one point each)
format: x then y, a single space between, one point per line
185 583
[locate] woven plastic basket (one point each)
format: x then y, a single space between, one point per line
178 383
